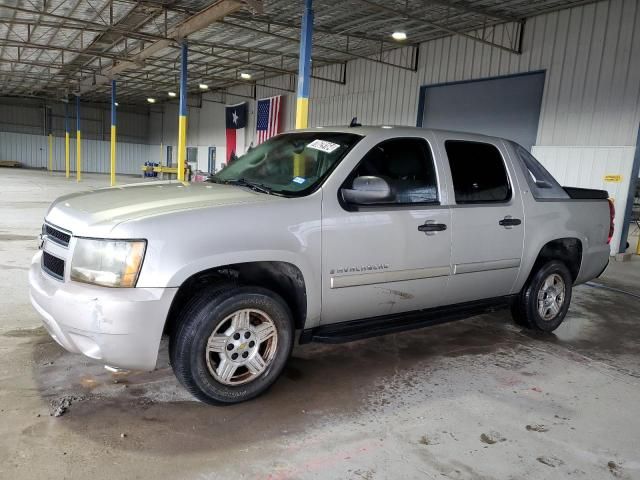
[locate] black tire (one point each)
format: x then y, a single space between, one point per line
199 319
525 309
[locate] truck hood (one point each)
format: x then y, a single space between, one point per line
102 209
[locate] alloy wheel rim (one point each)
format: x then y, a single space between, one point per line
551 297
241 347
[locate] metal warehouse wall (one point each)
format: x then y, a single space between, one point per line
206 125
23 134
33 152
592 89
27 115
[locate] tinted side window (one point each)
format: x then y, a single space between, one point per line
478 171
407 165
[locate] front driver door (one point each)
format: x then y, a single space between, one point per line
391 257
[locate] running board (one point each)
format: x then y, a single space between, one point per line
375 326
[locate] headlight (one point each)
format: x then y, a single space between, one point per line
110 263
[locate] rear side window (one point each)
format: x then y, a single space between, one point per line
478 171
541 182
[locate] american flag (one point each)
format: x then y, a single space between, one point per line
268 119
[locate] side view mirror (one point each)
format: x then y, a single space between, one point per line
368 190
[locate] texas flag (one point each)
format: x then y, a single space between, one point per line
236 120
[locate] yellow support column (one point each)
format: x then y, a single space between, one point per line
182 146
50 152
78 143
67 164
113 156
302 116
302 112
78 157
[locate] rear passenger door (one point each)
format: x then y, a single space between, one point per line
487 219
393 256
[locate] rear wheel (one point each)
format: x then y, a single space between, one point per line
231 343
544 301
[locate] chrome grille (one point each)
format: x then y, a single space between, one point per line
53 265
56 235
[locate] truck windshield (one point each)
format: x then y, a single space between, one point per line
292 164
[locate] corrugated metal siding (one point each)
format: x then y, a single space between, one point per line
28 116
591 55
587 166
30 150
33 151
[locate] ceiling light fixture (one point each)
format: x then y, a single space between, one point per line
400 36
172 94
151 100
203 86
116 104
245 76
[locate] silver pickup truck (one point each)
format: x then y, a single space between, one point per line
325 234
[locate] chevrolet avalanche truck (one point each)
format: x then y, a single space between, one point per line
324 234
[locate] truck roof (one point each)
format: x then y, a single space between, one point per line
397 129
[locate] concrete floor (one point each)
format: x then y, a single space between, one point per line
476 399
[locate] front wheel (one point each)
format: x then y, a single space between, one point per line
231 344
544 301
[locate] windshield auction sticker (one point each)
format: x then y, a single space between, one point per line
323 146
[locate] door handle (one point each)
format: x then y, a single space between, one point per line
432 227
509 221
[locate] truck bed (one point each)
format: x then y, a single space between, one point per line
586 193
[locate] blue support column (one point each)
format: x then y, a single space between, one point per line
182 121
627 211
304 66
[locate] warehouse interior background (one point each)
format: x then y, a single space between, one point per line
478 398
584 116
584 119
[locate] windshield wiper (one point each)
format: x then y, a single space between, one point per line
259 187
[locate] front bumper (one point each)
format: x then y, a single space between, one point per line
121 327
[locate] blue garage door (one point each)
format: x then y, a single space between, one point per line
507 107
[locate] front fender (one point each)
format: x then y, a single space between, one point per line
183 244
